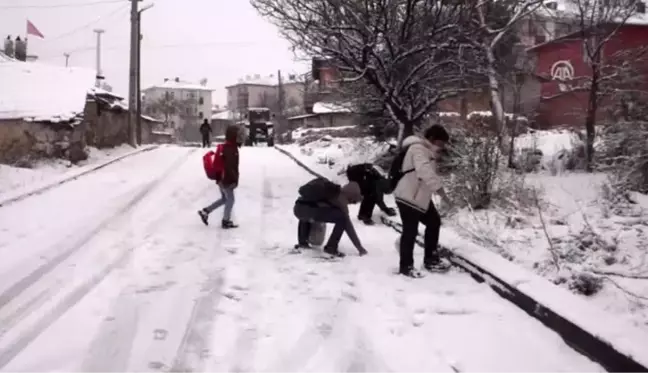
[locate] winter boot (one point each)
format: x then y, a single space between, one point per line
410 272
228 224
437 265
333 251
366 220
204 216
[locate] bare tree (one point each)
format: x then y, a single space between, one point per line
597 22
411 52
499 20
166 108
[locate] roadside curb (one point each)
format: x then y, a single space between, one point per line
65 179
596 348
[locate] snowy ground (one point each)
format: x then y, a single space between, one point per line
130 279
572 209
12 178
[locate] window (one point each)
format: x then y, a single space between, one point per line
201 100
192 95
200 115
188 110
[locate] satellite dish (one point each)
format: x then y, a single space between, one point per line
203 82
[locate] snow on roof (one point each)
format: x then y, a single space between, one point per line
173 84
226 114
269 80
570 8
5 58
42 92
103 92
330 107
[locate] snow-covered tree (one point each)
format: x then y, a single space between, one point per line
498 21
411 53
596 23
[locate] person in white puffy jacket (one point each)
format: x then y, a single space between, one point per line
413 195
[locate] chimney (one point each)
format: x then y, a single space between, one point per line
257 76
177 79
166 80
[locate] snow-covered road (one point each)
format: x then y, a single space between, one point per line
115 272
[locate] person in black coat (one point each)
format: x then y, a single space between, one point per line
373 186
206 131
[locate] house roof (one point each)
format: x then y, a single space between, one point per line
268 80
41 92
570 8
173 84
225 114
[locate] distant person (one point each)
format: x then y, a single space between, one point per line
9 47
206 131
373 187
323 201
418 181
228 181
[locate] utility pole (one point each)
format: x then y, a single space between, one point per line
138 111
99 72
67 59
281 103
132 81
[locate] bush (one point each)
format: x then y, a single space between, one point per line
478 174
623 155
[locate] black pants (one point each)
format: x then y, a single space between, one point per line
410 218
366 207
322 214
206 143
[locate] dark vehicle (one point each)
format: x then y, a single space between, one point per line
259 128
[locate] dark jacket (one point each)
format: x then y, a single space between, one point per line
320 193
367 177
231 157
205 128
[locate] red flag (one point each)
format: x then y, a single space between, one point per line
32 30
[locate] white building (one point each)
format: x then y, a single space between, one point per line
181 105
263 91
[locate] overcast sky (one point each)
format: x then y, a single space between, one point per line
221 40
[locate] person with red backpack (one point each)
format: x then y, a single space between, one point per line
222 166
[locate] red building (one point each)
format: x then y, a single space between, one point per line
563 67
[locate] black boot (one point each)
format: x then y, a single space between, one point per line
228 224
366 220
333 251
204 216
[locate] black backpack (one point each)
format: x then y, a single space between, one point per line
319 190
396 170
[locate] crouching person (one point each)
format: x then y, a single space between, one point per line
323 201
373 187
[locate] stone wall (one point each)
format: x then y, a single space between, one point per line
105 128
22 141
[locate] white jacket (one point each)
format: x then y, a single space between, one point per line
415 188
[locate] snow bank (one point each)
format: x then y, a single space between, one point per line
41 92
15 181
571 205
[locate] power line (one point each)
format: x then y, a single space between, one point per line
67 5
167 46
89 24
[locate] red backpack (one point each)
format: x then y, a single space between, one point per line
213 163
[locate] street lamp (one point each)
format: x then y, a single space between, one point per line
138 109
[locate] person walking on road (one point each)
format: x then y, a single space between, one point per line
373 186
413 193
323 201
229 181
206 131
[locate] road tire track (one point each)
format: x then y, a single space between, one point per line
196 337
14 292
23 284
